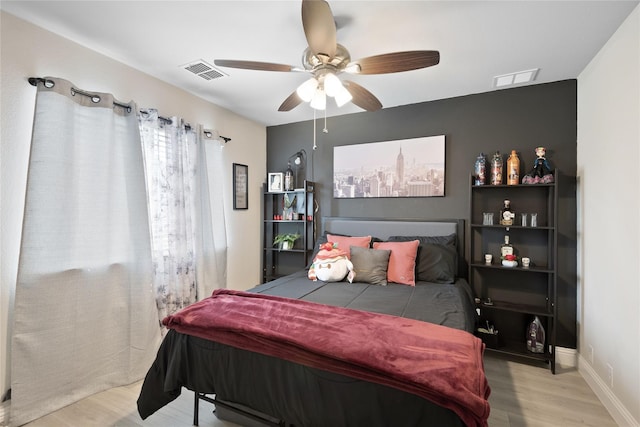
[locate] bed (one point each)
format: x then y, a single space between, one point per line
271 360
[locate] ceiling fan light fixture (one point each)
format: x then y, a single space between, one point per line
332 84
307 90
319 101
325 60
343 96
353 68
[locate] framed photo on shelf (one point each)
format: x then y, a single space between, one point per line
240 186
276 180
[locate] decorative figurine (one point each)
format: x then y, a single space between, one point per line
541 173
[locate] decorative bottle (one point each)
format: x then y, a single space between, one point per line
513 169
480 170
288 179
496 169
506 248
506 214
535 336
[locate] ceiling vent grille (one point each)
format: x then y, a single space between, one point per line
203 69
516 78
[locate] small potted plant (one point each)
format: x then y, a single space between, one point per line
286 241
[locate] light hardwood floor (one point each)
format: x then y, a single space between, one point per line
521 395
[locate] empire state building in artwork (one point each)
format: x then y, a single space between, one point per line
399 181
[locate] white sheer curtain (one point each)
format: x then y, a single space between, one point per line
188 244
85 314
211 226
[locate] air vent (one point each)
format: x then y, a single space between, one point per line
204 70
517 78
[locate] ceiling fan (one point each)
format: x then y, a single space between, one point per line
325 59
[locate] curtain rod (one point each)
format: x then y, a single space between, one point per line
212 134
33 81
48 83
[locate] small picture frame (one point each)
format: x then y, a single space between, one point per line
276 182
240 186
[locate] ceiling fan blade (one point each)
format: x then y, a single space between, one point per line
319 27
291 102
362 97
396 62
253 65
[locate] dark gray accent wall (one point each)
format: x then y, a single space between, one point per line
512 119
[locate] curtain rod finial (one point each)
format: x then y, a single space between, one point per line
214 134
33 81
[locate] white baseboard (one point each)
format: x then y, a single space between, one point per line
567 357
617 410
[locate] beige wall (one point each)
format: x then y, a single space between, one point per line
608 229
27 51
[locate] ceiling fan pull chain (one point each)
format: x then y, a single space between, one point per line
325 130
314 129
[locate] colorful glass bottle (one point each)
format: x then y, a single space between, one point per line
480 170
496 169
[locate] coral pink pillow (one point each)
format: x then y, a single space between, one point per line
402 262
345 242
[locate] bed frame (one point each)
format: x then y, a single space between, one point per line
380 228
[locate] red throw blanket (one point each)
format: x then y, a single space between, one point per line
437 363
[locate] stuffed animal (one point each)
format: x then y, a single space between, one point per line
331 265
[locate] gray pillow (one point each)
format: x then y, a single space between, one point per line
370 265
436 263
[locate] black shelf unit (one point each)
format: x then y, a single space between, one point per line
278 262
517 294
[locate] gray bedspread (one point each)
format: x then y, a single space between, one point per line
295 394
443 304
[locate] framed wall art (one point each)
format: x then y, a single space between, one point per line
402 168
276 181
240 186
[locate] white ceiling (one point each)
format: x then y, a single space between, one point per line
477 40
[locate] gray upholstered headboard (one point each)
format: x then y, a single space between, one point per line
382 228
